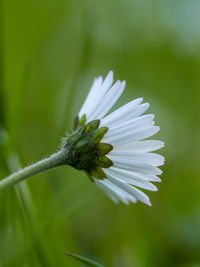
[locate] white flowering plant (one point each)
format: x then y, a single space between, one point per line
111 148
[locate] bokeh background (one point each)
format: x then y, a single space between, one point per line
50 51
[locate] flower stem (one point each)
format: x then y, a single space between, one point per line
54 160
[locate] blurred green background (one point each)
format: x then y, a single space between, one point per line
50 51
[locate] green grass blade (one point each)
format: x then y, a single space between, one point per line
88 262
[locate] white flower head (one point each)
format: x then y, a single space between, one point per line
129 163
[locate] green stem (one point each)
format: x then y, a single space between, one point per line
53 161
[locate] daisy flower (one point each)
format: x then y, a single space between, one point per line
111 148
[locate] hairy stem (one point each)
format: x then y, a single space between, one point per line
53 161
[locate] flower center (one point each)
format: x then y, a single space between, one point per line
85 150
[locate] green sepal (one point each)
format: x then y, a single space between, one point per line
74 137
92 125
82 144
76 121
99 134
104 148
104 162
98 173
85 152
82 120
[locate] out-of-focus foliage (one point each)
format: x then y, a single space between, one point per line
49 53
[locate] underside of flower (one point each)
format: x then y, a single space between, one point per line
111 147
85 150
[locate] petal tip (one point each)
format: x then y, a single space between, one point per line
162 144
157 129
124 82
147 105
155 189
140 99
148 203
110 73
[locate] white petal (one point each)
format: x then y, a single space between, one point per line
141 146
149 158
135 175
124 196
136 113
109 100
133 181
135 166
131 190
120 112
132 136
114 197
139 110
133 122
102 91
93 93
131 125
